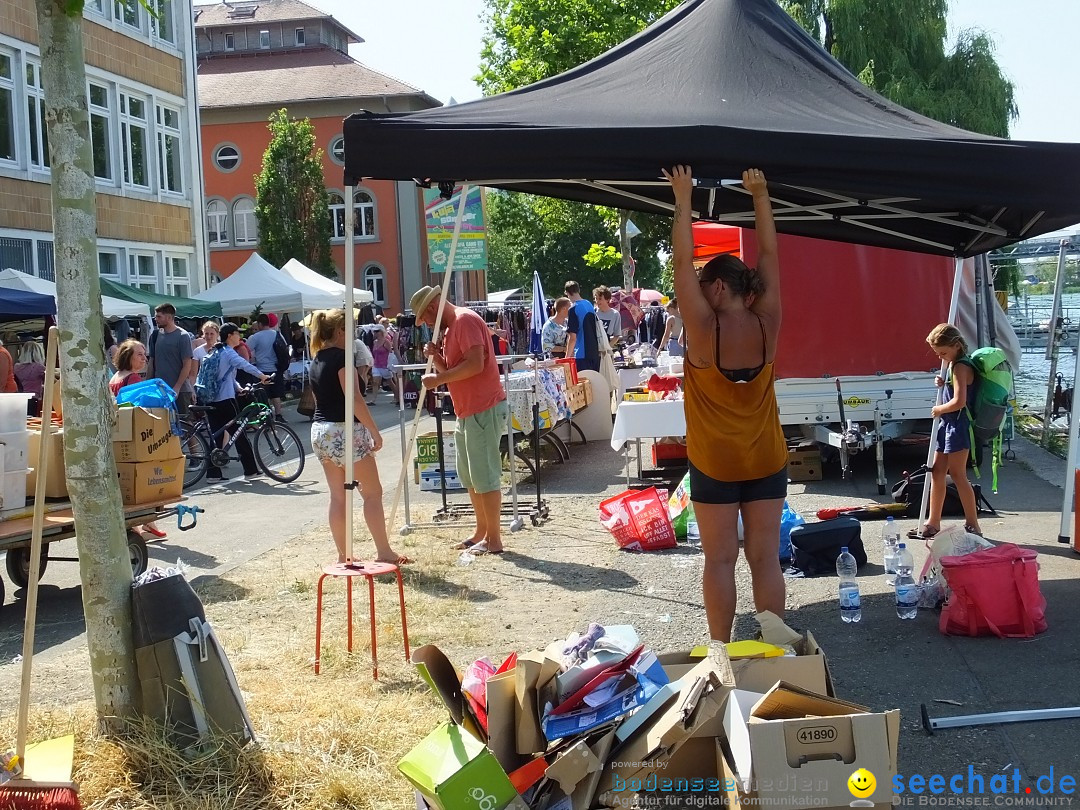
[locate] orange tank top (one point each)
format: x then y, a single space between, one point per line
733 429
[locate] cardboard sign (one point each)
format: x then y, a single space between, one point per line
150 481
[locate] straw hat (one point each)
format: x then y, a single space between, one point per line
422 298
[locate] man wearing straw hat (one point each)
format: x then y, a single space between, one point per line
464 360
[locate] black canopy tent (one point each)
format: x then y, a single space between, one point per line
723 85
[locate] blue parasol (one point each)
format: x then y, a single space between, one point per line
539 313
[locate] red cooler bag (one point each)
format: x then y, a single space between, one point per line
639 520
993 592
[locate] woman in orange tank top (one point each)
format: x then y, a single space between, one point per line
735 445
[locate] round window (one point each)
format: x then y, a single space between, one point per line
337 150
227 157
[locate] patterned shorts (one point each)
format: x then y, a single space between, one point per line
328 442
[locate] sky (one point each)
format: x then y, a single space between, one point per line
434 45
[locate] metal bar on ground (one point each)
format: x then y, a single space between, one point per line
932 724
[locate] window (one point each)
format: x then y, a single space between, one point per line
337 215
169 153
97 6
7 109
375 283
46 269
133 126
100 142
300 38
245 230
127 12
18 254
217 223
365 215
161 21
264 39
177 282
108 264
35 113
142 272
230 42
337 150
226 157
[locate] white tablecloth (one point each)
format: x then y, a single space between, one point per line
644 420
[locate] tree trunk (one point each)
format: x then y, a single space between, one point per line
624 248
104 564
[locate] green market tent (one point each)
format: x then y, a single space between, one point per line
185 307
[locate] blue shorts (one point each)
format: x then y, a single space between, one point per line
952 436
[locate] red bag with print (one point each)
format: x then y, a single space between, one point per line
639 520
994 591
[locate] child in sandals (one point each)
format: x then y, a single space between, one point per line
953 434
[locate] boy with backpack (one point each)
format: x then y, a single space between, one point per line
954 434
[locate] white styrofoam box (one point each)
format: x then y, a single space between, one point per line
13 491
16 446
13 412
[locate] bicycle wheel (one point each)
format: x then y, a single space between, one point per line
197 451
279 452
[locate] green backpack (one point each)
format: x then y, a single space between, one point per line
989 406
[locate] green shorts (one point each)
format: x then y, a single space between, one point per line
478 438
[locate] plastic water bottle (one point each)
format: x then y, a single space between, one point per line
907 592
890 539
850 603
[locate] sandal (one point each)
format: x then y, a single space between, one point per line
926 533
154 530
972 530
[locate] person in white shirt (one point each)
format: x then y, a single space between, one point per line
609 317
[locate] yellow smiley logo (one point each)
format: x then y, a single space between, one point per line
861 783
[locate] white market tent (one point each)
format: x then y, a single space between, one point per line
305 275
257 282
112 308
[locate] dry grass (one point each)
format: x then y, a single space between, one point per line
326 741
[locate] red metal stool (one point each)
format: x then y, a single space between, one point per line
369 570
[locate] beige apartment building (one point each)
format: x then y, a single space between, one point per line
145 133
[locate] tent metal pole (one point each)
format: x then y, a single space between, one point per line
954 308
407 458
1067 505
350 373
1053 339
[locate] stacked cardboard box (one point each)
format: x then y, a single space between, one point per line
149 457
804 462
426 468
712 730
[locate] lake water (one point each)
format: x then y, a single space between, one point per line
1034 373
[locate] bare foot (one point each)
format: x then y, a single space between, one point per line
465 545
394 559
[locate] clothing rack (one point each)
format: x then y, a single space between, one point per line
514 512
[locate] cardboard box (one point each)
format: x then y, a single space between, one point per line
798 744
808 670
587 386
147 481
804 462
145 434
55 476
699 701
452 769
534 670
427 449
431 481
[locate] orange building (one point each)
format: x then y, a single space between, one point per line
256 58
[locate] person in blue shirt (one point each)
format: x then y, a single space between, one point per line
581 326
225 407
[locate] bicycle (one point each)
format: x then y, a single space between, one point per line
277 448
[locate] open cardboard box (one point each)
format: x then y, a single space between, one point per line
653 749
792 744
809 669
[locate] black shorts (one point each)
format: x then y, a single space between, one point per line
704 489
276 387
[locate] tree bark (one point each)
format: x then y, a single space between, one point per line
104 564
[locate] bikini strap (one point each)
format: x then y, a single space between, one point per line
764 341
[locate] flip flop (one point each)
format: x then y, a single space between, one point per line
465 545
155 531
480 549
926 533
401 560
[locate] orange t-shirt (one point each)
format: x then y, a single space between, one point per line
474 394
8 385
